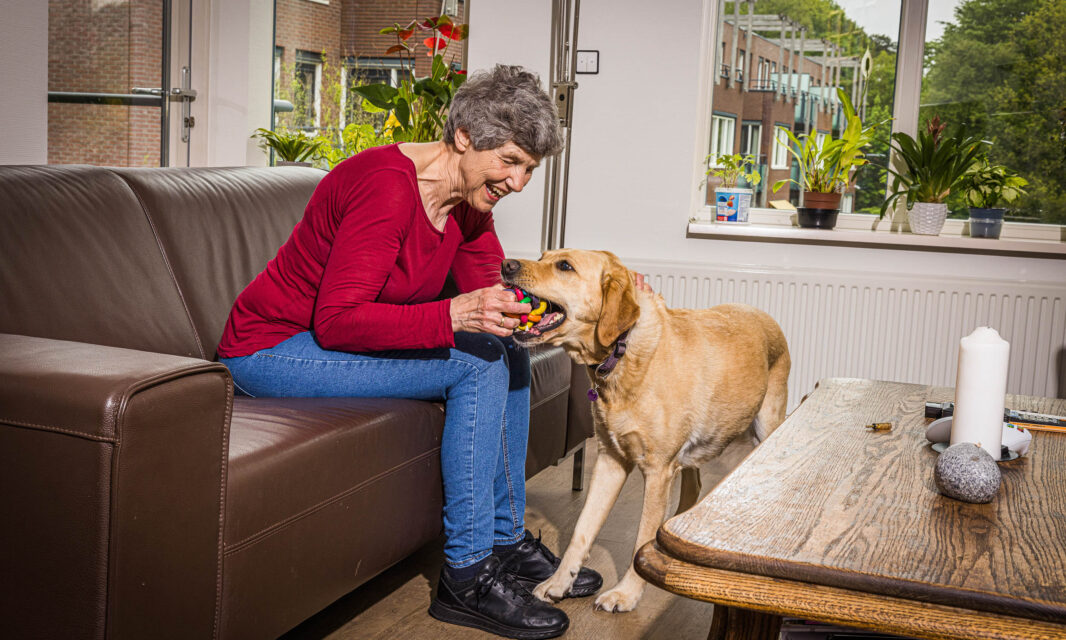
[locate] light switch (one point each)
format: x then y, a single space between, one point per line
588 61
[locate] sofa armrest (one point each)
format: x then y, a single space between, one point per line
112 476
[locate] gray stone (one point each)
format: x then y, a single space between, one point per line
966 472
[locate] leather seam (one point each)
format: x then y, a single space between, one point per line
550 398
224 465
263 533
166 262
70 432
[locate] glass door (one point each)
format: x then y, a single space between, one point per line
115 85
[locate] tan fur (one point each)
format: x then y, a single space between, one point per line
690 382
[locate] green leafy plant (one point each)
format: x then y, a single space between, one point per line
293 146
731 168
354 138
933 165
419 106
832 164
988 185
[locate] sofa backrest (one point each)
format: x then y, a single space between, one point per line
79 261
218 228
148 259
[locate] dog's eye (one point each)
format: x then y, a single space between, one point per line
563 265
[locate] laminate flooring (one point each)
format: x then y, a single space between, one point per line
393 605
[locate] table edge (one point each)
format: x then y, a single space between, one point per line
789 597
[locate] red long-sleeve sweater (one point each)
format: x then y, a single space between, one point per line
363 265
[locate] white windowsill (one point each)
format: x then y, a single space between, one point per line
863 230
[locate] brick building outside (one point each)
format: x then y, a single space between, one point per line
761 93
322 49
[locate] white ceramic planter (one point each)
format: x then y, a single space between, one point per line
927 218
732 205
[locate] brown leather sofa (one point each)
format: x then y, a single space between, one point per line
140 498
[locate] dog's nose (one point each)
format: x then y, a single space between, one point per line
510 268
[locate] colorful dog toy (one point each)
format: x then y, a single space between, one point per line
527 320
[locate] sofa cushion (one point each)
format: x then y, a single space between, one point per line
82 263
323 494
219 227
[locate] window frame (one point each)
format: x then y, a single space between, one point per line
715 148
909 67
780 148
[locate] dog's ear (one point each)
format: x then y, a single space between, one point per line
619 310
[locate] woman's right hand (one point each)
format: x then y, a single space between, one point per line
482 311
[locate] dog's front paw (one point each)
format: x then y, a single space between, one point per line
554 588
619 600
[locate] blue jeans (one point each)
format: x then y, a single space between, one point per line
484 382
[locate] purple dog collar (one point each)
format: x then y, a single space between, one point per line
608 365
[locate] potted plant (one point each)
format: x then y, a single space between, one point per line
829 167
292 147
419 106
732 203
987 186
933 165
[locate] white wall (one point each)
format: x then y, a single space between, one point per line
233 62
514 32
634 144
24 78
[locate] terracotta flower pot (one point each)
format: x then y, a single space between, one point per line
820 200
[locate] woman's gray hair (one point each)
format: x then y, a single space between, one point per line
505 104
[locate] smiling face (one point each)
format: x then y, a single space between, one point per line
489 175
590 296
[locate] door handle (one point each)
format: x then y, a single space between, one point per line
147 91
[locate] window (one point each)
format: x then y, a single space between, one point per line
307 90
988 70
792 82
722 129
750 139
780 151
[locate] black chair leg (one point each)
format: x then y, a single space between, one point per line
579 469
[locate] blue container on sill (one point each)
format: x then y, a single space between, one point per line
986 223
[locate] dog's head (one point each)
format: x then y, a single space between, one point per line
590 299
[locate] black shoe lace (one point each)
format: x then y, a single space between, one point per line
502 575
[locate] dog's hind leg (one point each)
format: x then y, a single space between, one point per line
608 475
690 489
625 595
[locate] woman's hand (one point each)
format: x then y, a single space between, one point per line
482 311
638 281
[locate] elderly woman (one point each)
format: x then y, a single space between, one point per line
347 308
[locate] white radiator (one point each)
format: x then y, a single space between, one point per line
886 327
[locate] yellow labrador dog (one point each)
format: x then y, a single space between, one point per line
672 388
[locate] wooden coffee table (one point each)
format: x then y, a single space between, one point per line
827 520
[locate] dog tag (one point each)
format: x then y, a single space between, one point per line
593 396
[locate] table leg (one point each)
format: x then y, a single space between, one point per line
730 623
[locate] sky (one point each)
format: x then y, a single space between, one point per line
882 16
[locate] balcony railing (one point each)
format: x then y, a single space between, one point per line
762 84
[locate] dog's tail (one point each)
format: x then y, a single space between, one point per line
774 403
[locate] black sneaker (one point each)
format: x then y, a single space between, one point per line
532 563
496 602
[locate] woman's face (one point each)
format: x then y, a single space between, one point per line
489 175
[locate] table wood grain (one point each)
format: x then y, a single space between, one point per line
825 501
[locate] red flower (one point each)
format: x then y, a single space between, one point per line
441 44
451 31
461 72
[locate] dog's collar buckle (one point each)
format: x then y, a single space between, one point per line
608 365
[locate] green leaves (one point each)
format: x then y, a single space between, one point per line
292 146
731 168
831 164
933 165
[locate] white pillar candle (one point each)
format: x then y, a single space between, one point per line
980 390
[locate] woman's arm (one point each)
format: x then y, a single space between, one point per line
376 216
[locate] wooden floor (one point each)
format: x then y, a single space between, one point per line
393 605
